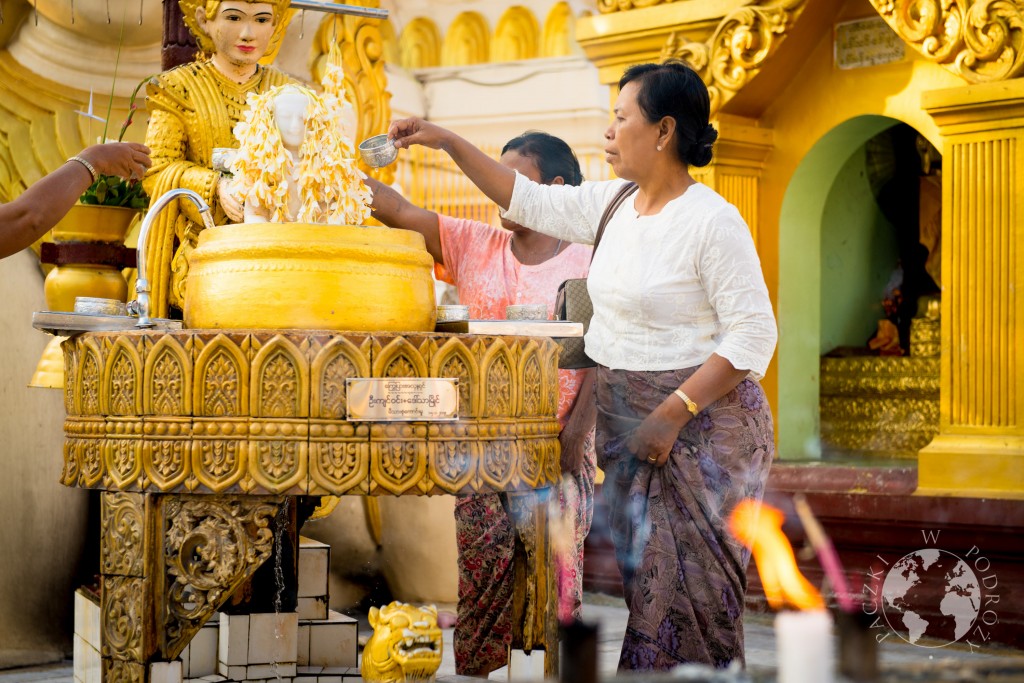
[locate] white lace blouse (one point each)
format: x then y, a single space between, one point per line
668 290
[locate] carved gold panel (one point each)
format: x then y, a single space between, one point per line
121 383
278 457
539 452
398 458
500 379
220 452
401 356
168 374
263 412
333 359
340 457
280 376
123 672
221 384
453 452
122 534
455 358
70 348
122 453
122 614
167 452
498 454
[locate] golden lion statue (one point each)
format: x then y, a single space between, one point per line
405 645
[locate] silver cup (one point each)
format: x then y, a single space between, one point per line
378 151
96 306
222 158
451 313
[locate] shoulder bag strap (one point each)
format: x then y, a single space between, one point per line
620 196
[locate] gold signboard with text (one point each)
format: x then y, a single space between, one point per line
402 399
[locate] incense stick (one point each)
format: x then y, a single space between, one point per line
826 553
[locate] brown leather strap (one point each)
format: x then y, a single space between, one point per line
620 196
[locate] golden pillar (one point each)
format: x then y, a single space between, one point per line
980 446
735 170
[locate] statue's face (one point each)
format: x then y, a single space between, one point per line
290 115
240 31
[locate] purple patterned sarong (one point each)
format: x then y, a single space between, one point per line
684 576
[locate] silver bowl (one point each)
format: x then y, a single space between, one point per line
449 313
378 151
526 312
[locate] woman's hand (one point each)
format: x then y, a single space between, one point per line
652 441
128 160
416 131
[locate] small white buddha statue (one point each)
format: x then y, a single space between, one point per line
294 163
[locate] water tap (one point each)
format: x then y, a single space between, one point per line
140 306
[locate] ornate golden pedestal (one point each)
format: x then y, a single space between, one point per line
198 438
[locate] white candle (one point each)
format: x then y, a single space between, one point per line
803 647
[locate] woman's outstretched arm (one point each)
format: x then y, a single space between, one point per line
493 179
395 211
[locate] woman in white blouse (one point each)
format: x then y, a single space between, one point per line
682 330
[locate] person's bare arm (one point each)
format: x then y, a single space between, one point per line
493 179
581 421
42 205
395 211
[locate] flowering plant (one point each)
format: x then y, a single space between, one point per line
112 190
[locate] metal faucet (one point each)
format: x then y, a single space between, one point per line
140 306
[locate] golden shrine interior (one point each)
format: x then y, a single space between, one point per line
871 147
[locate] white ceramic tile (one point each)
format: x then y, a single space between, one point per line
165 672
88 664
308 670
236 673
302 644
314 564
263 672
312 608
233 645
526 667
273 638
333 642
202 651
329 679
87 619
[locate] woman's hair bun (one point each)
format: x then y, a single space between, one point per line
700 151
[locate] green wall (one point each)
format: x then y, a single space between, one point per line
858 254
804 213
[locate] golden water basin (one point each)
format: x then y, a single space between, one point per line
311 277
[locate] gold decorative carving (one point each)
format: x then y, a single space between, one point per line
455 359
398 457
980 41
453 454
737 49
209 548
264 413
222 375
925 337
122 525
123 672
122 614
886 405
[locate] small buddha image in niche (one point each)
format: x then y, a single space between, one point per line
296 161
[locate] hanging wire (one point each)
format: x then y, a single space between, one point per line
35 11
108 12
1 12
72 12
140 11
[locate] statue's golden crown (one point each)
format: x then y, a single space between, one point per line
281 18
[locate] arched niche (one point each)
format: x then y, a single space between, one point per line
836 253
389 41
420 44
559 37
515 36
467 41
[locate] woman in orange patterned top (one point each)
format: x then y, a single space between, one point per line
493 268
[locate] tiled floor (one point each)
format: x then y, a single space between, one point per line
610 614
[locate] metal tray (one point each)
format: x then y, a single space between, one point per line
521 328
65 324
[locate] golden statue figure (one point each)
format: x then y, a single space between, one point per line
193 109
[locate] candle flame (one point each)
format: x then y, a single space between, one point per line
759 527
